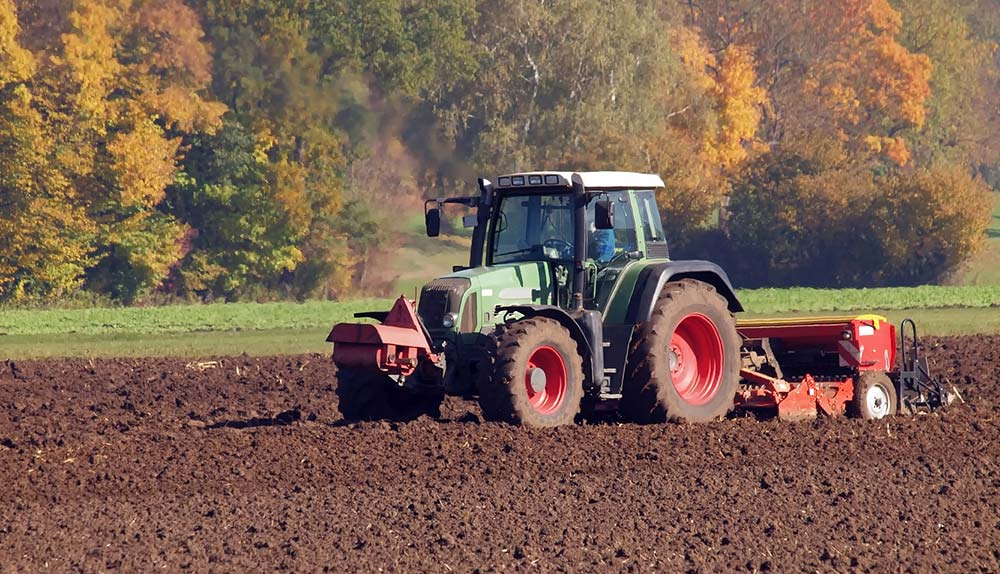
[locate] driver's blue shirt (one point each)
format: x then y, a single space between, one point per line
603 244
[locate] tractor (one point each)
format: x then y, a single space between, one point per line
571 304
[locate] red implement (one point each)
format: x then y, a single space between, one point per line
865 342
395 347
856 344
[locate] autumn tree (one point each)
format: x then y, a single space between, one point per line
832 69
121 83
44 234
252 148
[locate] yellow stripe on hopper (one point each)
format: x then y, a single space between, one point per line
791 321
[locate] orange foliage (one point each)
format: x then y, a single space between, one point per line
868 79
731 85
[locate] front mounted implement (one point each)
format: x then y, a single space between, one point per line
396 347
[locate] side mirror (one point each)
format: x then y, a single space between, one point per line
604 214
432 218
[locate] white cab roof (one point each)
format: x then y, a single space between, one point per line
591 179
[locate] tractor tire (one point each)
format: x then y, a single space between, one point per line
364 395
684 362
874 396
536 378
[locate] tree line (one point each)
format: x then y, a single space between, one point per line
233 149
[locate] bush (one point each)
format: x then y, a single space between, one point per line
796 220
932 221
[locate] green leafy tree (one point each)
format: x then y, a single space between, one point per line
243 236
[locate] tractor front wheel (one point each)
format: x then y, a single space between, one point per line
364 395
537 376
684 362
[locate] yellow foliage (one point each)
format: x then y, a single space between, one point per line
731 85
898 151
175 66
45 235
89 54
290 192
695 55
143 163
884 17
739 102
16 63
870 80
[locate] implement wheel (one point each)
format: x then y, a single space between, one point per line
368 396
537 376
874 396
684 362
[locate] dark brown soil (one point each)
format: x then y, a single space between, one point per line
143 465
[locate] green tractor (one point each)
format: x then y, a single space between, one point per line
569 303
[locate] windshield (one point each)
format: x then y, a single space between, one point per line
535 227
532 227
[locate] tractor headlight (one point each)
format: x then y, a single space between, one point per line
448 321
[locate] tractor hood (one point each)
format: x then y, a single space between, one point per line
465 301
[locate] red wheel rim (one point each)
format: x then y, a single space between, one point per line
696 358
547 368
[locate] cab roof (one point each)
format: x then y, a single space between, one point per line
591 180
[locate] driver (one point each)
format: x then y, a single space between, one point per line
602 244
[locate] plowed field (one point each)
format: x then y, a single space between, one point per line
242 465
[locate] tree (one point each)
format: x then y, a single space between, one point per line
830 68
580 84
121 83
931 220
44 234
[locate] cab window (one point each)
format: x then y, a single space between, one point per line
649 214
605 244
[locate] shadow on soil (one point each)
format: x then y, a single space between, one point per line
284 418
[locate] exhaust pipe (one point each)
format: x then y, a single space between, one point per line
580 247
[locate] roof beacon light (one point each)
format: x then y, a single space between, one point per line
552 180
534 180
517 180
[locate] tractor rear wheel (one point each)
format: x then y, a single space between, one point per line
874 396
684 362
537 376
364 395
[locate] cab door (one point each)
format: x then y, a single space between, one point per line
654 241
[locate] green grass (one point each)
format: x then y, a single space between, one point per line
283 328
184 318
235 317
313 340
985 268
824 300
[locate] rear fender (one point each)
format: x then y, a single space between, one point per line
652 279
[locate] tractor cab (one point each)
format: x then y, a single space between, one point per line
531 218
534 219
